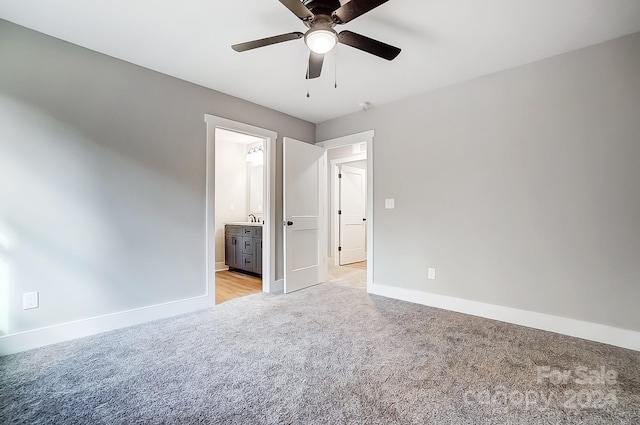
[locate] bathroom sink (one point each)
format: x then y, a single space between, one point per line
245 223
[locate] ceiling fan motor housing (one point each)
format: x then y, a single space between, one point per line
322 10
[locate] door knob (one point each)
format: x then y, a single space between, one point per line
288 223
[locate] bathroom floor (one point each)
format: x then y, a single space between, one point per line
230 285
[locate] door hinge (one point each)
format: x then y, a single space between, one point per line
339 248
339 212
339 175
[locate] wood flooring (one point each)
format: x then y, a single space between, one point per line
362 265
230 285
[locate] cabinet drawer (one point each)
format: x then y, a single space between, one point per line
247 262
247 245
231 230
247 231
257 232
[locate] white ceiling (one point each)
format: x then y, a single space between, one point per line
443 42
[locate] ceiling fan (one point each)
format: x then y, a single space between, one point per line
321 16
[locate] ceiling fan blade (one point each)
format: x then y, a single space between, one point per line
266 41
298 9
315 65
368 45
351 10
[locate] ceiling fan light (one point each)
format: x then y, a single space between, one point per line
320 41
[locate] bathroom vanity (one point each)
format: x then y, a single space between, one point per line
243 247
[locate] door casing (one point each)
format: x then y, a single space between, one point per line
269 170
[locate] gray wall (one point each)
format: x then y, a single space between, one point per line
102 179
522 188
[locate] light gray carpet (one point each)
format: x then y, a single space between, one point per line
327 355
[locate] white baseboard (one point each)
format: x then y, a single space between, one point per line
278 286
562 325
220 266
27 340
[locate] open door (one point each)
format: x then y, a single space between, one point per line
304 213
352 215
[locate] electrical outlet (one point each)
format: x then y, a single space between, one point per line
431 274
390 203
29 300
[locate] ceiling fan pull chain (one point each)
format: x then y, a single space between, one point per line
308 82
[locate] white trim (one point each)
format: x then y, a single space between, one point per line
268 230
562 325
365 136
35 338
221 266
335 222
351 139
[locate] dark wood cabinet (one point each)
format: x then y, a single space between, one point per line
232 247
243 248
257 259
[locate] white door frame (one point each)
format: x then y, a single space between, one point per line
366 136
268 229
335 193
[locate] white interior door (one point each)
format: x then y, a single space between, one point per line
304 212
353 202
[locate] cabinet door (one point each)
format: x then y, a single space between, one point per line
238 252
257 255
230 250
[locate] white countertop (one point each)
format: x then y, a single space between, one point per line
244 223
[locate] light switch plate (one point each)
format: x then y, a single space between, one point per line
390 203
431 274
29 300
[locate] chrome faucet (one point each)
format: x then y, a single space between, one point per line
253 218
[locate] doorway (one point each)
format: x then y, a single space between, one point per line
239 213
352 213
350 183
232 148
306 212
350 200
